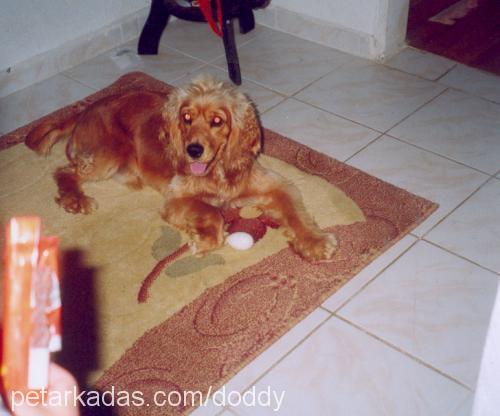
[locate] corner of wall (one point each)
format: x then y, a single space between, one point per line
316 30
390 35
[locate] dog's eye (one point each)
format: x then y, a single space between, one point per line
216 121
187 118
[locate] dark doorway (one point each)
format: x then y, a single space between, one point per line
467 31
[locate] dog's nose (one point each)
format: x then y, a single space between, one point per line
195 150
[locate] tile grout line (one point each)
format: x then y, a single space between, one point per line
282 357
363 148
266 87
190 72
283 99
473 95
405 353
445 89
284 94
475 191
426 240
364 125
123 46
281 95
461 257
238 46
417 75
200 61
226 408
400 121
440 77
449 251
79 82
171 48
231 410
253 81
446 73
294 95
189 55
437 154
335 114
370 281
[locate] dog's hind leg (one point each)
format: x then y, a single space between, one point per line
71 196
69 181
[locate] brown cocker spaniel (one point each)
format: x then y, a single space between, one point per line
197 146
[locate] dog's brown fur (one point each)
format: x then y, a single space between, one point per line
141 138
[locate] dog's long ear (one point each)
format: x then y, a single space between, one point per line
171 136
245 140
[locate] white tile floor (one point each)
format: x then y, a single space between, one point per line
404 337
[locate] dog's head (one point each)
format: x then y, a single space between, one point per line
209 124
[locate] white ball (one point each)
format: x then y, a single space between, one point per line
240 240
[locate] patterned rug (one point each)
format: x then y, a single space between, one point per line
206 317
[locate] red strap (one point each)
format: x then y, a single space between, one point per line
206 9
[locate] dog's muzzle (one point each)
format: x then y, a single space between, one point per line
195 150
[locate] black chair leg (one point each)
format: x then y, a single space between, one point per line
233 64
158 18
247 21
153 28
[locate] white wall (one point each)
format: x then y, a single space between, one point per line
358 15
390 27
487 399
32 27
373 29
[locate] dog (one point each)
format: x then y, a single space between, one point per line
198 146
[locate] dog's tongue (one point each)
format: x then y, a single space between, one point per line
198 168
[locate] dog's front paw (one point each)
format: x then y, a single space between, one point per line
316 247
77 203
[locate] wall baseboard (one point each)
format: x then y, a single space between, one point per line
71 53
318 31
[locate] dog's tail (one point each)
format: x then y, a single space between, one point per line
47 133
